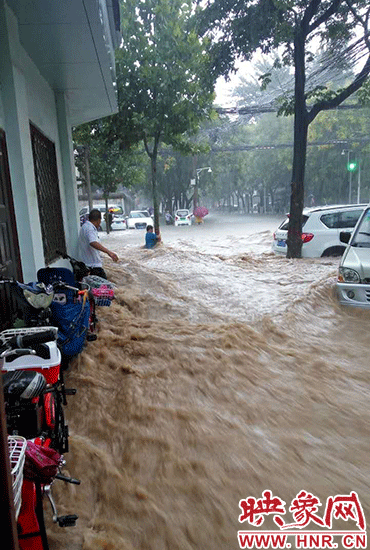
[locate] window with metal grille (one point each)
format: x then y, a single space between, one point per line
48 195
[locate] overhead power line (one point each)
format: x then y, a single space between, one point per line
257 109
341 142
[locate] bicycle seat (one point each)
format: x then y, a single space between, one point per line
18 384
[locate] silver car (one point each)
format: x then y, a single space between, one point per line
353 284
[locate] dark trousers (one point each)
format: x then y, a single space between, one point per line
99 271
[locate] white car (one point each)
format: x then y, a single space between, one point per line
321 229
118 223
183 217
139 219
353 285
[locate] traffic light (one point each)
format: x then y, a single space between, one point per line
352 166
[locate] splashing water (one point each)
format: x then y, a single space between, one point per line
220 371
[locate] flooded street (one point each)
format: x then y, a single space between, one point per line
220 371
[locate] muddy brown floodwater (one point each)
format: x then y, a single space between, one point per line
220 371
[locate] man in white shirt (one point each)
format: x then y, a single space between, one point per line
90 247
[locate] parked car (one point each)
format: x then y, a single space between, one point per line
321 229
353 285
84 211
118 221
183 217
139 219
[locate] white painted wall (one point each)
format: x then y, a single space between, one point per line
1 111
34 102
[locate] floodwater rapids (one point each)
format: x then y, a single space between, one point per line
220 371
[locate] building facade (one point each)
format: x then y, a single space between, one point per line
57 70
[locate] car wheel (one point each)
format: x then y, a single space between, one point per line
334 251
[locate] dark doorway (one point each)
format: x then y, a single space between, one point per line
10 265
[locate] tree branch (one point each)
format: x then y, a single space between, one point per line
146 145
363 22
325 16
311 9
343 95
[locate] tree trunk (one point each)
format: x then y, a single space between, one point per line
294 240
107 224
153 162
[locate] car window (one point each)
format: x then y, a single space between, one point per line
349 219
341 220
362 235
330 220
182 212
285 225
138 215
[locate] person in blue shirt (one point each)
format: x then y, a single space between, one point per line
151 239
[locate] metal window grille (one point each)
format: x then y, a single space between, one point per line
48 195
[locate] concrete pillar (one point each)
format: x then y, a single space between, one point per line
17 132
71 221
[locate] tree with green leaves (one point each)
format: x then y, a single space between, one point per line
165 86
109 165
239 28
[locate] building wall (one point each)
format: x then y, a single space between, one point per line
26 97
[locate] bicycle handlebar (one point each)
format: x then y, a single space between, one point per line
61 285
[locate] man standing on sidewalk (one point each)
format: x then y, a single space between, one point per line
90 247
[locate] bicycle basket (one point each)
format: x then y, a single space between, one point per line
103 295
17 450
96 282
49 367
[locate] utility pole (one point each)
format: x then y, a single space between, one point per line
359 183
88 180
197 172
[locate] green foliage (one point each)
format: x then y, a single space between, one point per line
363 93
241 27
238 173
164 83
165 86
109 165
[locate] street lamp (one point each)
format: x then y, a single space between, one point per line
197 172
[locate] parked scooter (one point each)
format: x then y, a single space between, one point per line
169 219
31 301
34 395
55 300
